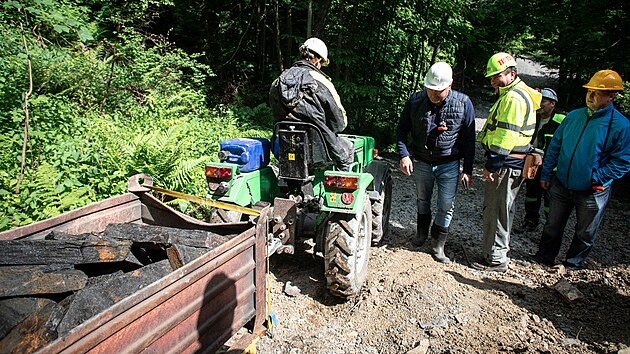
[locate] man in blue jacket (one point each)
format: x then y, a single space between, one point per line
590 149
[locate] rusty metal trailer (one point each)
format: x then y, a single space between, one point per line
194 309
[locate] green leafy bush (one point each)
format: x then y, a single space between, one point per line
101 113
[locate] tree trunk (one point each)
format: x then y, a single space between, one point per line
352 30
309 20
263 41
460 67
277 33
290 54
419 68
436 49
321 18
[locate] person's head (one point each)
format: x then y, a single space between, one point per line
315 51
501 70
602 89
438 81
548 102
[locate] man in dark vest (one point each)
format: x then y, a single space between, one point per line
441 124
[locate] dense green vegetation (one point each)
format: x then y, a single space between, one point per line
106 89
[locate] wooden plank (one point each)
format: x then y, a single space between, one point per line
143 233
32 332
14 311
97 297
24 252
178 255
40 279
131 259
59 312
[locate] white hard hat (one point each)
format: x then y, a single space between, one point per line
439 76
549 94
316 46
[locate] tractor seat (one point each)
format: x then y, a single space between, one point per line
301 149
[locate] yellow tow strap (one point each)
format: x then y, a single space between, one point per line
205 201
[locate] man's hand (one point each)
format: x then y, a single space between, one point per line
489 176
544 185
406 165
465 180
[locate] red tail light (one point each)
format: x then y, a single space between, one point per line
218 172
343 182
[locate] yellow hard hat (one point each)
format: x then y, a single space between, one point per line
499 62
605 80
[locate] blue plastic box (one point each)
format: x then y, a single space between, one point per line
250 154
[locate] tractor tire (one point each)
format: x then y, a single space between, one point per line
380 213
347 251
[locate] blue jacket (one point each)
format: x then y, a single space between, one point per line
589 149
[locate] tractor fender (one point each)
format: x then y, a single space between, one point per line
380 171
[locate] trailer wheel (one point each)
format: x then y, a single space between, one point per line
347 251
380 212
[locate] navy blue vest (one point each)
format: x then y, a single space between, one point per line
432 146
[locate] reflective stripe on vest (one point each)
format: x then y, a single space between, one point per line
558 118
494 124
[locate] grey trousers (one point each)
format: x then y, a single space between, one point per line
498 214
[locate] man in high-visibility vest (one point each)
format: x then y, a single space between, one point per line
590 149
506 138
547 121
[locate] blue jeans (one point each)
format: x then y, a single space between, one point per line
447 177
589 212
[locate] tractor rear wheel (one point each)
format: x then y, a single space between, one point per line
347 251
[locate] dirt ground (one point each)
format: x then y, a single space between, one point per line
410 303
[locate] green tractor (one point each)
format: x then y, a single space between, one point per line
344 212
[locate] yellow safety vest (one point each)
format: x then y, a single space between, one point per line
512 120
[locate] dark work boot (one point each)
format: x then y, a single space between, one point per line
438 239
422 229
525 227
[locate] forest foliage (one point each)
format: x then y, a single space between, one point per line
94 91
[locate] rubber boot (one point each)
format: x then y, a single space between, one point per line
423 222
438 239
